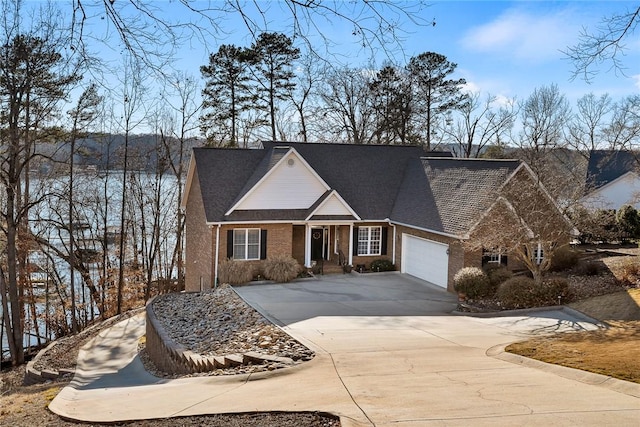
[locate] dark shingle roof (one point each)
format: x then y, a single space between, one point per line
366 176
463 189
221 180
608 165
397 182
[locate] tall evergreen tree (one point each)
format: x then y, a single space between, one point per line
436 93
226 94
274 57
393 104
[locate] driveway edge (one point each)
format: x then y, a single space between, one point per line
614 384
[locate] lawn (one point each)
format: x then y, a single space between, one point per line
612 351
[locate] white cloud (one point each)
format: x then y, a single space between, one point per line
636 80
525 35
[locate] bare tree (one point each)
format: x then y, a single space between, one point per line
150 35
180 124
132 97
347 112
605 45
585 130
623 130
525 222
481 123
301 94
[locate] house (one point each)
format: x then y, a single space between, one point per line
357 202
612 180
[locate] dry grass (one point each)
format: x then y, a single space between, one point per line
613 351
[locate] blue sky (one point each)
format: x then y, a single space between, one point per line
502 48
510 48
505 48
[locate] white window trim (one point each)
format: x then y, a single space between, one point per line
494 256
538 254
246 244
369 232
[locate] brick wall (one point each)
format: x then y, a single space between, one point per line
198 244
279 241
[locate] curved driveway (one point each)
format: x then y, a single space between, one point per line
389 353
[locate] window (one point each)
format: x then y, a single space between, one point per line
538 254
494 256
246 243
369 240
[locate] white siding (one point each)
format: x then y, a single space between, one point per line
623 191
332 206
289 186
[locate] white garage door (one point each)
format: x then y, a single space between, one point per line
425 259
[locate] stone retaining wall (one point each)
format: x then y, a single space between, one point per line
173 358
35 376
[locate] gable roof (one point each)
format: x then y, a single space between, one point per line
367 177
463 189
365 182
606 166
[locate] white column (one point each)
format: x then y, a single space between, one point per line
307 245
393 246
351 244
215 268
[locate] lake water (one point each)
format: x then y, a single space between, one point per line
97 201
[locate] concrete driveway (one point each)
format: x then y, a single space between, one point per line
388 353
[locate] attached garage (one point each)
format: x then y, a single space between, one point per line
425 259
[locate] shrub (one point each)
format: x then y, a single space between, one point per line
281 268
472 281
630 271
517 292
591 268
382 265
234 272
524 292
497 275
564 259
554 290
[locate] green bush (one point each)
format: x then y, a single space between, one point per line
564 258
382 265
281 268
524 292
473 282
234 272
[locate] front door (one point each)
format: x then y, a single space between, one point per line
318 243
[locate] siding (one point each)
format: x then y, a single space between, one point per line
287 187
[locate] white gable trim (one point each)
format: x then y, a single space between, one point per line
281 163
333 194
187 187
626 175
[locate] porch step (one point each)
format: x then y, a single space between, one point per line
330 268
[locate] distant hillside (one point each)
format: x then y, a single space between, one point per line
107 151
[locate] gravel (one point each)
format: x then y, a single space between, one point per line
212 322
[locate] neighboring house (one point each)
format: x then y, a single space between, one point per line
612 180
364 202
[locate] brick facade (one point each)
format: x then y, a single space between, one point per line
198 250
